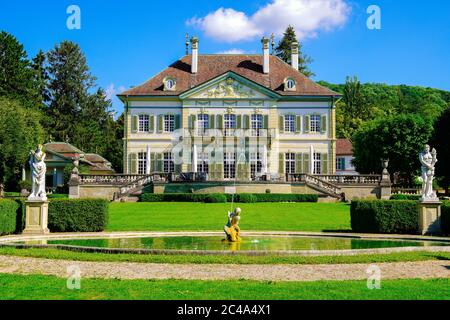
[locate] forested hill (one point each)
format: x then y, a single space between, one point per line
364 102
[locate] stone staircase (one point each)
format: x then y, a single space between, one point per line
323 186
130 191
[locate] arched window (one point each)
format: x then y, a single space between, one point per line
169 84
289 84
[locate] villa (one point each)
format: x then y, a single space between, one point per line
247 117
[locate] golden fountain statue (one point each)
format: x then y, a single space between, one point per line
232 230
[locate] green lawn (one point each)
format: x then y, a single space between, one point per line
47 287
211 259
184 216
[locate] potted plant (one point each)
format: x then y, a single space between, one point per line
25 187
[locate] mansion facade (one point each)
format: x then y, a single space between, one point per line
230 117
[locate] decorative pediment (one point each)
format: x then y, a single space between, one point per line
229 86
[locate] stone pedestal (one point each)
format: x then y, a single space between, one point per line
429 217
36 217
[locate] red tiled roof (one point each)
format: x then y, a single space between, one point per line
63 148
344 147
212 66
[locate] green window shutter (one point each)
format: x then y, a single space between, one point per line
133 163
134 123
151 125
281 124
211 121
246 121
306 167
266 122
160 123
281 164
324 165
219 121
219 171
152 162
177 168
239 121
160 162
298 124
298 163
193 122
323 125
177 121
307 123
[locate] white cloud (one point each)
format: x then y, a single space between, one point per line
111 91
307 16
232 51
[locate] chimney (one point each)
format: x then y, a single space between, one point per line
266 56
294 55
194 64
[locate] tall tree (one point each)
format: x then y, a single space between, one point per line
41 77
441 141
21 131
16 74
283 51
398 138
69 86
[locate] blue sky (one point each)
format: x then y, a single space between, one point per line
127 42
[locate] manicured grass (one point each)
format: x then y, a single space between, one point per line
36 287
179 216
202 259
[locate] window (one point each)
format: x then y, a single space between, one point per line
340 164
315 123
317 165
144 122
256 124
255 164
168 165
229 165
169 84
142 163
203 162
289 123
169 123
203 123
229 124
289 159
289 84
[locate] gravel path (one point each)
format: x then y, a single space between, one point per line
123 270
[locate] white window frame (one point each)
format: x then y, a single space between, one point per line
229 124
289 123
315 123
169 123
168 164
340 164
203 162
289 163
229 165
256 124
202 123
143 123
142 162
255 163
317 163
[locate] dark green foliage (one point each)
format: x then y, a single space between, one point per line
243 197
58 196
215 198
283 51
445 217
182 197
441 141
247 198
280 197
397 138
8 216
377 216
405 197
77 215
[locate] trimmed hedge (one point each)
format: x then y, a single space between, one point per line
405 197
377 216
445 217
9 210
77 215
219 197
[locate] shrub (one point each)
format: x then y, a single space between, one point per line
77 215
150 197
9 210
376 216
25 184
58 196
405 197
247 198
215 198
287 197
445 217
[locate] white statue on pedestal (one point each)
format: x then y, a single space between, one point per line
428 160
38 170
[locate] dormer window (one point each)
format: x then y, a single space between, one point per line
170 84
289 84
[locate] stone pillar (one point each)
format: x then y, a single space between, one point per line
385 185
429 217
2 190
74 182
36 217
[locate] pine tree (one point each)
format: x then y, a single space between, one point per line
41 77
283 51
